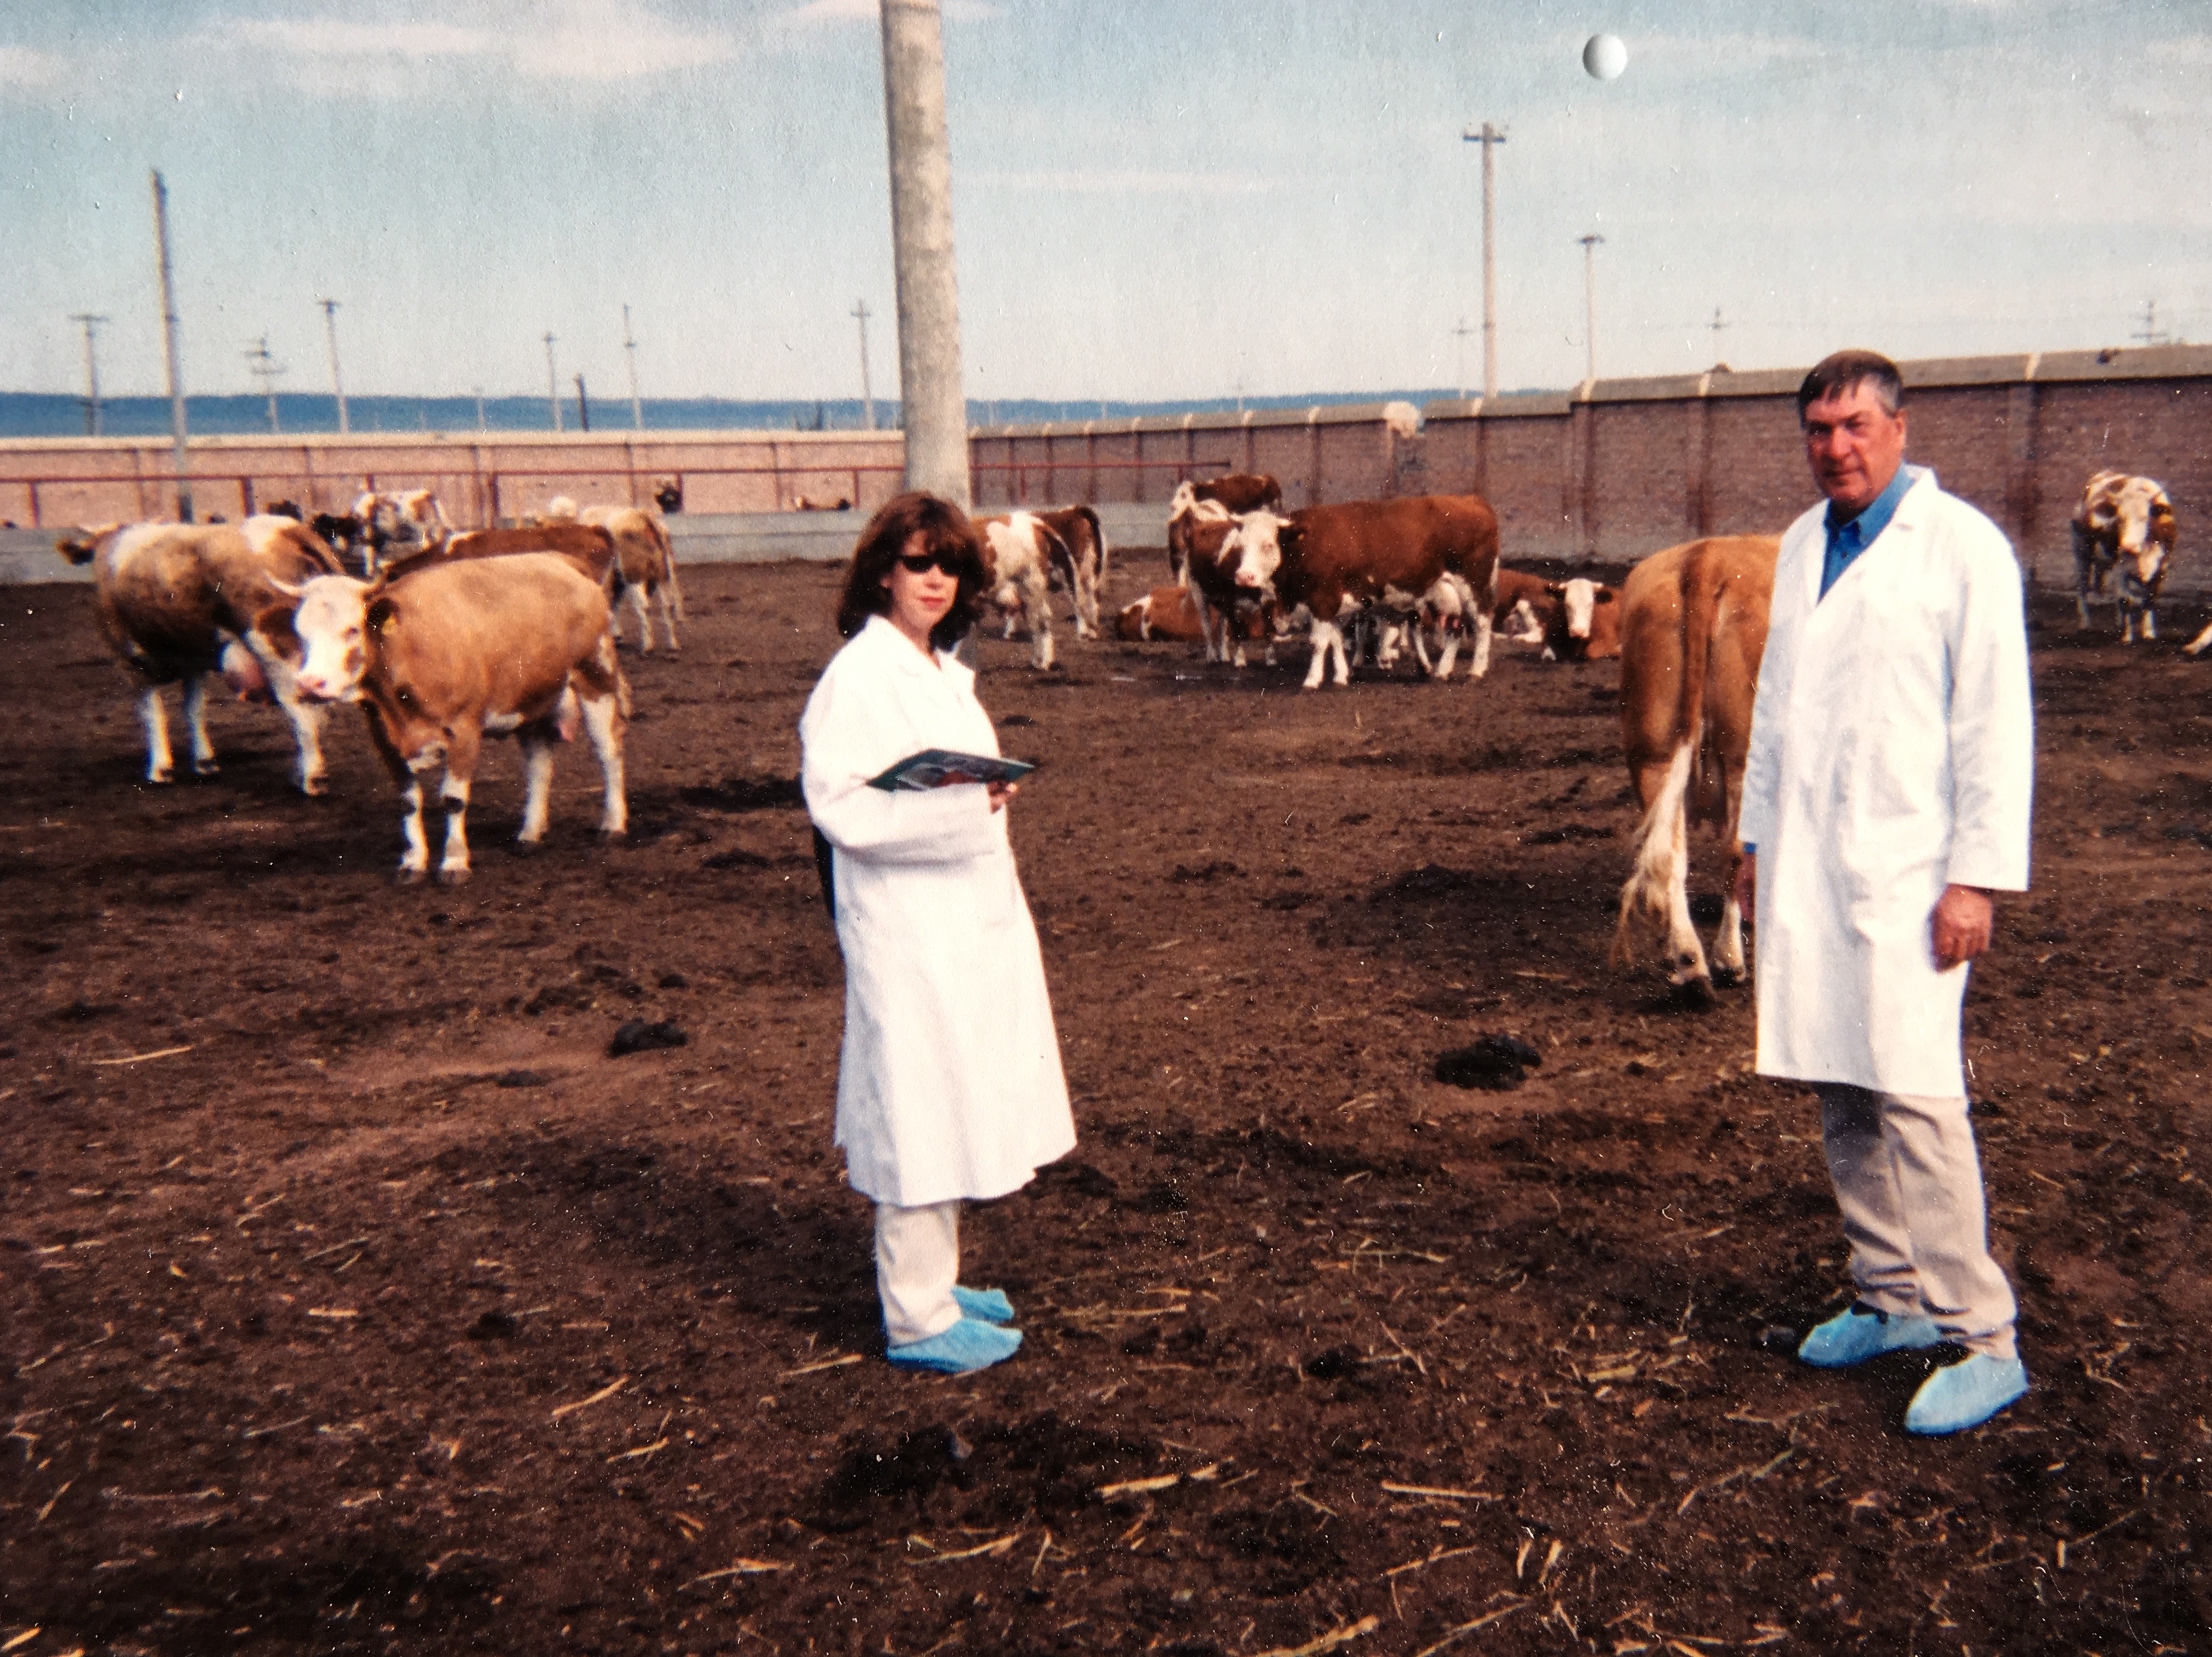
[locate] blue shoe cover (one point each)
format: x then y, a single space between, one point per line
1965 1395
967 1345
987 1305
1857 1333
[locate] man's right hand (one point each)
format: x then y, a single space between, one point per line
1746 892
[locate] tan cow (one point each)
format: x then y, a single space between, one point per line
178 601
2125 525
1168 612
645 563
1385 555
1693 628
451 651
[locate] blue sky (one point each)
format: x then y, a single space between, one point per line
1152 199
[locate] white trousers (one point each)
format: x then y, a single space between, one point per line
917 1263
1909 1182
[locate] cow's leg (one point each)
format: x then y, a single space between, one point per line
639 599
600 691
461 749
1727 942
160 764
196 730
1036 607
1327 635
308 771
536 745
2150 621
415 857
1447 656
671 609
2080 584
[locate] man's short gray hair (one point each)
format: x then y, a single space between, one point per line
1841 372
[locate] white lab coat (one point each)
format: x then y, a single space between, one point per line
950 1084
1891 753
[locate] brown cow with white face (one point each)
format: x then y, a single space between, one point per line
1693 629
2124 524
1584 625
645 564
1214 499
1386 555
451 651
178 602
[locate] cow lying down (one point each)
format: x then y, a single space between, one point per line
449 651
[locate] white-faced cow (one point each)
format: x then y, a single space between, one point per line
1229 616
1217 499
2125 525
1019 553
644 566
396 526
178 602
454 650
1693 628
1338 560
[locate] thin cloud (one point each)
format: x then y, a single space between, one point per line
1127 182
867 11
578 41
20 66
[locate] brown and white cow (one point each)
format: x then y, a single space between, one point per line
1523 612
1693 628
451 651
178 602
1170 612
1216 500
2125 525
1229 616
396 525
645 563
1584 624
1079 560
1018 550
1338 560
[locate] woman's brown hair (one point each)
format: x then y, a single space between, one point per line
943 528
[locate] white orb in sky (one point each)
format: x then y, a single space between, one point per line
1604 56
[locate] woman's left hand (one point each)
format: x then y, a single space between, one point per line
1002 793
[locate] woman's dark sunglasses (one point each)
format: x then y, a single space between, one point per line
918 563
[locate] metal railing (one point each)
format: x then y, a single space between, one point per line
472 496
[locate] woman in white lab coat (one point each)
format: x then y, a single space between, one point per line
950 1086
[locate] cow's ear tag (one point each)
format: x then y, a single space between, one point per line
380 615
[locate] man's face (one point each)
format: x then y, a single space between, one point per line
1854 445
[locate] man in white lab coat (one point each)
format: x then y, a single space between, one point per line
1885 797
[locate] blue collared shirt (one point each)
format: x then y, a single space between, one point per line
1847 540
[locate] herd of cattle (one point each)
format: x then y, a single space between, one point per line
445 637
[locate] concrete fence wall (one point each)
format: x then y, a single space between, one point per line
1609 472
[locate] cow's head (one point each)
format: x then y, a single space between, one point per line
1184 500
668 494
1253 549
1578 601
2142 521
330 627
82 546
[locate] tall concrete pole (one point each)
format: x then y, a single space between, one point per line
1489 138
630 348
862 313
552 381
338 386
1589 296
91 371
934 405
181 450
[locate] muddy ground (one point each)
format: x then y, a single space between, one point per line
356 1301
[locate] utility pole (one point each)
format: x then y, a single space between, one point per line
265 368
181 449
583 406
91 371
2148 332
1460 333
480 410
629 349
867 391
932 407
1589 296
1715 326
1488 137
552 382
338 386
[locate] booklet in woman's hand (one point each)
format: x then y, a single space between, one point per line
940 767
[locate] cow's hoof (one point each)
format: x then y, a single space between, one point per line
206 768
453 877
160 776
1694 995
612 837
408 875
314 787
1730 978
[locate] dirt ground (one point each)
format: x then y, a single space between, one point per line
356 1301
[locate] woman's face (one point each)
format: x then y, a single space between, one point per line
920 598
